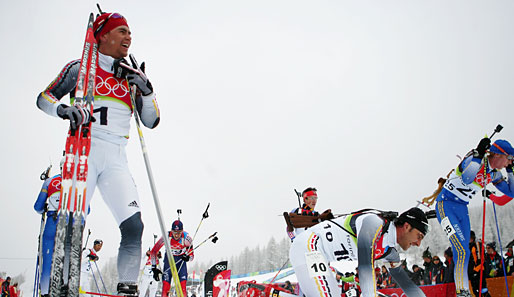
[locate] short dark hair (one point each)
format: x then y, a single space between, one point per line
309 189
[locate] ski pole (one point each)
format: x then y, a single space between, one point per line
87 238
39 260
153 188
36 280
101 279
45 173
273 279
484 194
214 239
204 216
496 130
93 274
501 250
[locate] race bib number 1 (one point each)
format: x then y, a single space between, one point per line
447 227
316 264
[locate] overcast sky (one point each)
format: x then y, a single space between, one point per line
369 101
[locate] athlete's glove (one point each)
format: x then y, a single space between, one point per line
119 71
185 257
482 148
488 193
156 271
140 80
510 168
93 257
76 114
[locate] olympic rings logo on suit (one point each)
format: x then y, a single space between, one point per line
56 183
221 267
111 86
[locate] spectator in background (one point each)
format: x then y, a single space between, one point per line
475 266
509 261
450 265
437 270
378 275
404 267
387 280
288 286
417 275
429 266
493 262
13 290
5 287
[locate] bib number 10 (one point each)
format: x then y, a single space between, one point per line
316 264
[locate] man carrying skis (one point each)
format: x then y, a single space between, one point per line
361 236
459 189
182 249
89 258
107 162
48 201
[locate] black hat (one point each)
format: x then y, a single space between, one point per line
449 252
416 218
97 241
427 253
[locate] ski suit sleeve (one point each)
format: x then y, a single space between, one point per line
369 232
469 168
188 243
39 206
153 252
505 186
402 279
49 99
148 110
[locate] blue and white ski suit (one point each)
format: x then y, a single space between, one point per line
48 198
452 208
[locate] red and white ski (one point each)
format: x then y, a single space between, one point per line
74 177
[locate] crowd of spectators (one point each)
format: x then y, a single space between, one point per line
436 270
7 289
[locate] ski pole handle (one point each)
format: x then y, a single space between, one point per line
496 130
46 173
205 213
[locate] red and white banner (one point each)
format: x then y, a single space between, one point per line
221 284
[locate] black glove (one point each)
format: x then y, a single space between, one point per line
510 168
141 81
185 257
93 257
488 193
156 271
76 114
482 148
119 71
